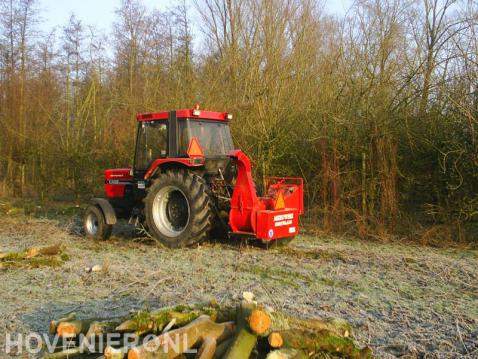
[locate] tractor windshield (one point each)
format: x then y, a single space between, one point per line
214 137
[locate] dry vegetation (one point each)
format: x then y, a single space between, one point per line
401 300
376 109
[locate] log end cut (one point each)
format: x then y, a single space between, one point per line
134 353
66 329
259 321
275 340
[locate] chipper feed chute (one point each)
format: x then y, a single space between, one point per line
273 216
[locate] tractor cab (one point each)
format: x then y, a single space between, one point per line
165 137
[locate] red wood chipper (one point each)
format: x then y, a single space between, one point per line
188 180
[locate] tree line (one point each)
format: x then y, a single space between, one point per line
377 109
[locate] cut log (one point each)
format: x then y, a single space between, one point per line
103 327
54 323
287 354
244 341
338 326
89 327
155 321
222 348
33 257
44 251
32 252
259 321
207 349
176 342
112 353
119 353
275 340
280 322
72 328
324 340
242 346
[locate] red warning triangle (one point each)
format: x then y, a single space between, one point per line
195 149
280 204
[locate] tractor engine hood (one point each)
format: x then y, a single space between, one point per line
116 181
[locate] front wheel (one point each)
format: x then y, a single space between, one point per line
178 209
95 225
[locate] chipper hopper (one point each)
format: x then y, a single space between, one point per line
187 181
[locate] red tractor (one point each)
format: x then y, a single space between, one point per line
187 179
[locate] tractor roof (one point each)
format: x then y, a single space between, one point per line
185 113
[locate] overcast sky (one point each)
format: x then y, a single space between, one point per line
101 13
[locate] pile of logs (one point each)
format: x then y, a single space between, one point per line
247 330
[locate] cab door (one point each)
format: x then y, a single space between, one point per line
151 144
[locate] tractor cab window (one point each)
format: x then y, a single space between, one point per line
151 144
214 137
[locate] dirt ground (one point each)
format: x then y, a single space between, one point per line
402 300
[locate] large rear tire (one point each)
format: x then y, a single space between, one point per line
94 224
178 209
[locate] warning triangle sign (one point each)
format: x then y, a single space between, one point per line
280 204
195 149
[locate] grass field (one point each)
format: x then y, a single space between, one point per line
402 300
